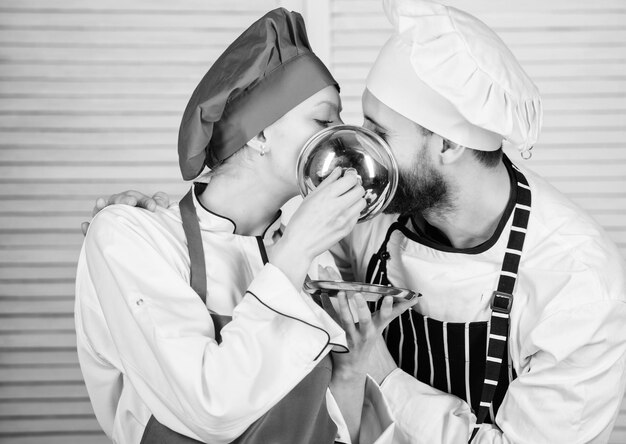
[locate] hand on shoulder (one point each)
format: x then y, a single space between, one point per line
131 198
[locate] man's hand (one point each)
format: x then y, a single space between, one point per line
380 362
368 351
132 198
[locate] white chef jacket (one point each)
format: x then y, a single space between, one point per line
146 341
567 338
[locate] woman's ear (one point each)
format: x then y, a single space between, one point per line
259 143
450 152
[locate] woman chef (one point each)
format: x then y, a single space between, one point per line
160 367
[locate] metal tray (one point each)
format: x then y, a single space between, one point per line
370 292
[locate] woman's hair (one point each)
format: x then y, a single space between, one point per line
238 161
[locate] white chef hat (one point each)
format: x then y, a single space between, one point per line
447 71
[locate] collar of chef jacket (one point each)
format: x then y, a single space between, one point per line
211 221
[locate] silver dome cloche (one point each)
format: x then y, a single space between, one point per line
350 146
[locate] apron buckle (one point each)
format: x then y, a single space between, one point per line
501 302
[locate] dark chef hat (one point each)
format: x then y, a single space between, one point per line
264 73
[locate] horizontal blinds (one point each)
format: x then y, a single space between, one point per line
575 51
91 95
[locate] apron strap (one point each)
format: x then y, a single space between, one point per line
377 268
502 300
191 226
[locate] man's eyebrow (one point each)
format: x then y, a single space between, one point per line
374 122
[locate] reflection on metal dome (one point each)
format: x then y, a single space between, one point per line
349 146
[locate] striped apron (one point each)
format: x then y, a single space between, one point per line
469 360
300 417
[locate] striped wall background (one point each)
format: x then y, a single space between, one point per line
91 94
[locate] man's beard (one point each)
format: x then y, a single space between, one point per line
421 189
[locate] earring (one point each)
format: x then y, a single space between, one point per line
258 146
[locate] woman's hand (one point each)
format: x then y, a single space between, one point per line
327 214
132 198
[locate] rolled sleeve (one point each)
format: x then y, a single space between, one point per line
377 425
423 414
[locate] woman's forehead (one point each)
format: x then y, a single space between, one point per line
327 97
